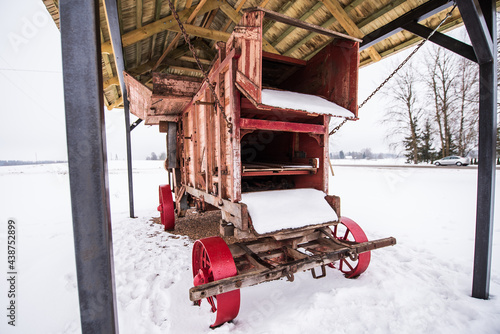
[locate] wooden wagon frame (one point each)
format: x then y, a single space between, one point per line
215 156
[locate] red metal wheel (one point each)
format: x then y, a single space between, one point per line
166 207
212 261
348 230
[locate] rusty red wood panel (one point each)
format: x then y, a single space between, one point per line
138 95
175 85
249 41
332 73
260 124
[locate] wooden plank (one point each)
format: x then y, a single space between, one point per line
283 59
192 60
301 24
234 111
260 124
175 85
260 276
247 87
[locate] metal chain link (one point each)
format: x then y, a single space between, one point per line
205 74
335 129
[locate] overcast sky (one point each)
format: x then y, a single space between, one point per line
32 102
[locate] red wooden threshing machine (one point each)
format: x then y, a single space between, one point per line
262 160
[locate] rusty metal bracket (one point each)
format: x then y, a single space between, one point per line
254 256
323 272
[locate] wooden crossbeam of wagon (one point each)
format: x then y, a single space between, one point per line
290 268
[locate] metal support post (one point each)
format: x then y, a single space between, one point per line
111 10
480 21
487 161
85 131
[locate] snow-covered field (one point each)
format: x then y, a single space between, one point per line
421 285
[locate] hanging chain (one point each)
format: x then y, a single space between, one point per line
205 74
335 129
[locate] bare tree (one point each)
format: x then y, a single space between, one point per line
441 69
467 103
404 114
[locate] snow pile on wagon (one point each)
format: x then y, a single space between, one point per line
287 209
306 102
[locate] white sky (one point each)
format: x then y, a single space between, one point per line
32 124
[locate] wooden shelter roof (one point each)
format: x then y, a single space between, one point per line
148 29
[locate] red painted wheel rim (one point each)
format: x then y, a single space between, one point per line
166 207
212 261
348 230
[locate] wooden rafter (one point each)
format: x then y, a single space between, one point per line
169 23
110 82
348 24
239 6
156 18
290 29
177 37
282 10
332 20
192 60
111 79
138 45
381 12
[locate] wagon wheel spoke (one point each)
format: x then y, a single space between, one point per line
213 258
348 230
166 207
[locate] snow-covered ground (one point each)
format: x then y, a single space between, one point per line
421 285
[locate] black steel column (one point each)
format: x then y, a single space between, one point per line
84 105
111 9
487 161
480 20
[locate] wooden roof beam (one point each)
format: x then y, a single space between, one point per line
332 20
113 81
138 13
304 17
192 60
237 9
167 23
157 17
282 10
236 17
177 37
348 24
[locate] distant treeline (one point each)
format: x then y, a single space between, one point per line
21 162
364 154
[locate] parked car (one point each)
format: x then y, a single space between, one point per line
452 160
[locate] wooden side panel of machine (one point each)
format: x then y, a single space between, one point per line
211 149
247 37
332 73
139 96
